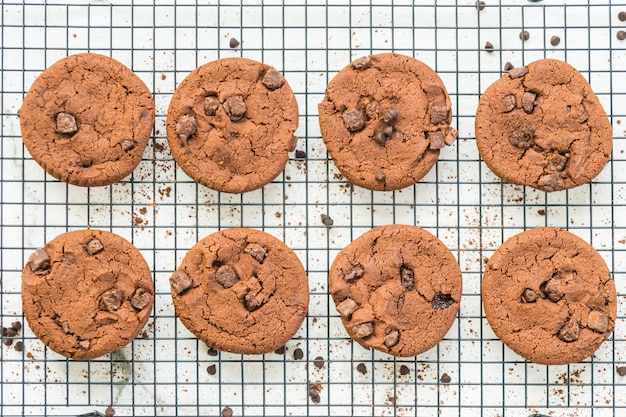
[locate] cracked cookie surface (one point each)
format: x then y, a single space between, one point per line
230 124
548 295
87 120
397 289
542 126
384 119
87 293
241 291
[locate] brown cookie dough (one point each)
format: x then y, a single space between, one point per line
549 296
241 291
87 293
542 126
384 119
230 124
397 289
87 120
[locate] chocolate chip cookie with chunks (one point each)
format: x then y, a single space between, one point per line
384 119
241 291
87 293
397 289
549 296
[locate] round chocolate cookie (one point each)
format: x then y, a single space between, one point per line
87 120
549 296
384 119
542 126
87 293
230 124
397 289
241 291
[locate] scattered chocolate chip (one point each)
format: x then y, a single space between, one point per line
362 63
233 43
314 393
570 332
551 289
528 101
227 412
257 251
598 322
211 104
391 116
319 362
252 302
622 16
445 378
508 66
19 346
9 332
436 140
441 301
66 123
280 351
112 299
94 246
273 80
17 325
438 114
451 136
186 127
363 369
4 331
392 338
7 342
235 107
109 412
621 370
372 109
524 35
212 352
489 47
354 274
347 307
363 330
141 299
128 145
180 282
509 103
298 354
529 296
226 276
39 260
353 120
621 35
518 72
407 277
84 344
211 370
300 154
380 177
522 137
293 143
327 220
480 5
555 40
404 370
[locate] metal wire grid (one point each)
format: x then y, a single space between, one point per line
164 213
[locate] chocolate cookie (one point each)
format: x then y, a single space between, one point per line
549 296
230 124
241 291
541 125
384 119
397 289
87 293
87 120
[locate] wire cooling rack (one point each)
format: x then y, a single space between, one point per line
163 212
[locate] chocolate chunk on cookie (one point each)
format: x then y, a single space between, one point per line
397 289
87 120
549 296
88 305
250 293
231 123
542 126
384 119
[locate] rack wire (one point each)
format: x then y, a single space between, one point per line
163 212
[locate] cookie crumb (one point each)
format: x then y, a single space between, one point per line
541 212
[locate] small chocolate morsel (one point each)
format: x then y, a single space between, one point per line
4 331
363 369
522 137
319 362
354 274
211 369
441 301
550 182
529 296
598 322
380 138
227 412
528 101
293 143
388 131
7 342
551 289
438 114
363 330
128 145
407 277
17 325
508 66
300 154
314 393
480 5
489 47
327 220
39 260
235 107
347 307
112 299
212 352
445 378
518 72
392 338
380 177
280 351
10 332
298 354
180 282
391 116
353 120
524 35
65 326
404 370
621 35
273 80
362 63
570 332
436 139
94 246
556 161
257 251
211 104
509 103
84 344
66 123
109 412
186 127
233 43
372 109
621 370
252 302
621 16
555 40
226 276
19 346
141 299
451 136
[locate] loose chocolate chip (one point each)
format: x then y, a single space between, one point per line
7 342
17 325
10 332
186 127
436 139
233 43
445 378
257 251
363 369
380 177
480 5
353 120
528 101
273 80
252 302
438 114
529 296
441 301
347 307
522 137
319 362
141 299
211 104
39 260
451 136
212 352
226 276
391 116
404 370
211 370
407 277
298 354
19 346
524 35
518 72
598 322
66 123
621 370
227 412
551 289
621 16
109 412
128 145
180 282
508 66
354 274
327 220
509 102
314 393
300 154
570 332
392 338
362 63
94 246
293 143
372 109
489 47
621 35
84 344
280 351
235 107
555 40
112 299
363 330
